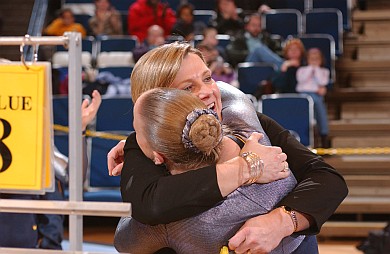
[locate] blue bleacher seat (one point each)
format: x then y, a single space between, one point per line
251 74
122 5
87 45
326 44
117 43
60 117
300 5
325 21
115 114
283 22
294 112
343 5
60 109
98 174
116 50
101 186
83 20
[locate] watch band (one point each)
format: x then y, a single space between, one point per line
293 216
239 141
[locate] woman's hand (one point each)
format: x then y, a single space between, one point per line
115 159
89 110
275 165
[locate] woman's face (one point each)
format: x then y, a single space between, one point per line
294 52
195 77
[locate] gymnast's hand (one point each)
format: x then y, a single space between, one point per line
275 165
115 159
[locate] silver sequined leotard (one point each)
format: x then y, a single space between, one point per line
209 231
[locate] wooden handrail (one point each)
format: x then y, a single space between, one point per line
111 209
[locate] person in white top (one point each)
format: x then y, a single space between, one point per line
312 80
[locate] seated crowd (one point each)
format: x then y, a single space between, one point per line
154 23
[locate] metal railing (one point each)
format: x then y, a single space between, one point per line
75 207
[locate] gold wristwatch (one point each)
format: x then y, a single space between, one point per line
293 216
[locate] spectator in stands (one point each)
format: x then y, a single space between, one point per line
64 23
312 80
155 38
284 80
185 25
107 20
254 44
45 231
220 70
227 21
145 13
210 39
312 200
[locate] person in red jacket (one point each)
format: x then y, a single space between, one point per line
145 13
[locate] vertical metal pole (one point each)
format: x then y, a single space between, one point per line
75 139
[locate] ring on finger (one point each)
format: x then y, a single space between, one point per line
285 167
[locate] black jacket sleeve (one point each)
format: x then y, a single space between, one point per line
157 197
320 188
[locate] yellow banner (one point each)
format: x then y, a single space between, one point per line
25 133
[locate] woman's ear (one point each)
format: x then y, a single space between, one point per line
158 159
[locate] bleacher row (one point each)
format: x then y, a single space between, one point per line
113 53
317 27
317 23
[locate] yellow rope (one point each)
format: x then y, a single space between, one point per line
319 151
352 151
89 133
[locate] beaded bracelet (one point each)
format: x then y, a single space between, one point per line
255 165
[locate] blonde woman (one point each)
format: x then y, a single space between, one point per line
158 197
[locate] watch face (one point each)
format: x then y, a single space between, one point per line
288 208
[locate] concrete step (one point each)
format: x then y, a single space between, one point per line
349 229
341 102
373 164
367 73
365 110
367 48
372 22
360 133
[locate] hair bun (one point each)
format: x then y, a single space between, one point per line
206 133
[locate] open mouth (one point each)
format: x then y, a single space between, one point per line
211 106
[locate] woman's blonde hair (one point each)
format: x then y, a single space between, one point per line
291 42
159 67
164 113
